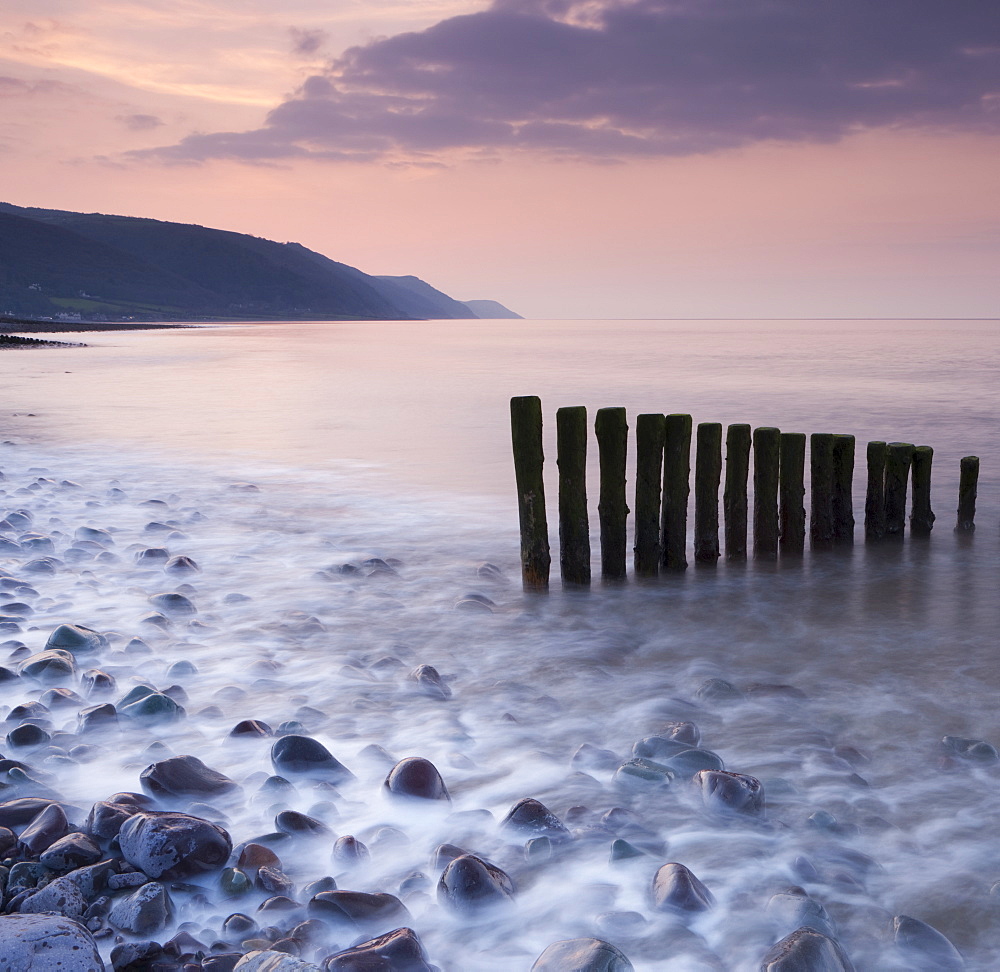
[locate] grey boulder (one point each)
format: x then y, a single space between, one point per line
173 845
582 955
29 943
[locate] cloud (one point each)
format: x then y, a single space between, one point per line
19 88
306 42
605 79
140 123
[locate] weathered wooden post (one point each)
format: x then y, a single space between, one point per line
676 488
791 487
898 457
921 516
649 432
734 498
574 524
707 476
526 435
820 487
968 485
842 500
875 494
766 457
612 444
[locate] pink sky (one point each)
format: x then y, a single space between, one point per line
642 158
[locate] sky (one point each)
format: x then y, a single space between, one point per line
569 158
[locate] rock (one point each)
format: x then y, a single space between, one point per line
251 729
106 819
94 534
152 556
975 750
658 747
640 770
303 756
44 830
588 756
95 682
719 690
685 764
806 950
103 716
145 911
293 822
53 665
582 955
76 638
676 889
925 947
27 736
398 951
184 776
271 961
416 777
174 605
70 852
154 708
181 565
60 698
15 813
793 908
173 845
470 885
32 943
529 818
725 792
62 897
429 682
357 908
135 956
348 850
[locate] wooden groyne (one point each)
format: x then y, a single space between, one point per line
775 460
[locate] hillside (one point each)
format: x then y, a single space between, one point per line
54 262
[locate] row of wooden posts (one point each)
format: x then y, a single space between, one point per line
662 488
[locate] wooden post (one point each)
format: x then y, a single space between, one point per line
734 499
921 516
820 487
766 456
526 434
676 488
899 455
875 495
649 432
707 476
967 487
574 524
842 502
791 487
612 444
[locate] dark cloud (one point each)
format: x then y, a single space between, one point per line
306 42
140 123
608 79
19 88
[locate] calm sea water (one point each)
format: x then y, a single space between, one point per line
391 440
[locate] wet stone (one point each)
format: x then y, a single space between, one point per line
358 908
793 908
135 956
48 826
676 889
144 911
416 777
348 851
251 729
806 949
470 885
184 776
70 852
181 565
53 665
398 951
295 755
76 638
974 750
639 770
530 818
173 845
718 690
582 955
725 792
27 736
102 716
923 946
153 709
294 822
174 604
29 942
95 682
429 682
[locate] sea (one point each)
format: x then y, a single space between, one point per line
340 487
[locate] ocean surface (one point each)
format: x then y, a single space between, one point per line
274 454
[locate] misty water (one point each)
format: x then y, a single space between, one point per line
275 454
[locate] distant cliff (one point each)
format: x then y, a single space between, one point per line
88 266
